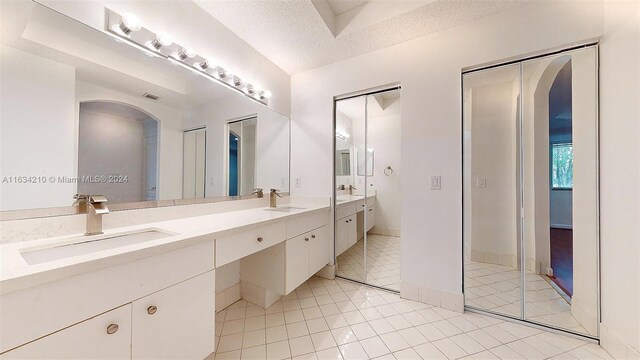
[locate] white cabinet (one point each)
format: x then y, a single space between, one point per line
177 322
346 229
304 256
174 323
106 336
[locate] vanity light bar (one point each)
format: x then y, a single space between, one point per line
128 29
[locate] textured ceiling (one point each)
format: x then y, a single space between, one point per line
293 35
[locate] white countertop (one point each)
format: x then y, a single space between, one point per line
16 274
345 199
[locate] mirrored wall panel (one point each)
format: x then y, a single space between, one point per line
530 152
492 252
368 173
84 111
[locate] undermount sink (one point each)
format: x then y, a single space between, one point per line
81 245
285 209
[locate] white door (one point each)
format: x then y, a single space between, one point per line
177 322
317 250
106 336
297 261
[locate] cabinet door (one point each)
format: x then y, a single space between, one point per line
317 250
352 231
342 235
177 322
297 261
89 339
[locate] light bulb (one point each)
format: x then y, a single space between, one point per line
220 73
237 81
186 53
162 39
249 89
129 23
265 94
203 65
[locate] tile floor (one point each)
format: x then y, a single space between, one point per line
339 319
497 288
383 261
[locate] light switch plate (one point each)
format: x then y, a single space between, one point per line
435 182
298 182
482 183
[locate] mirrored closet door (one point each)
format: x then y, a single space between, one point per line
367 178
530 185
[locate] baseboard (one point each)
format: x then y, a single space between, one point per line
227 297
561 226
434 297
327 272
615 346
585 315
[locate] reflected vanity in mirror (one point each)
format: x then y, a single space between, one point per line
88 112
530 155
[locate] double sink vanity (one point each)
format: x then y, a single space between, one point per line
148 291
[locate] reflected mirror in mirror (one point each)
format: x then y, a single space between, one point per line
343 162
78 106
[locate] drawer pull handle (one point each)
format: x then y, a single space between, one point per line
112 329
260 239
313 236
152 310
306 239
370 209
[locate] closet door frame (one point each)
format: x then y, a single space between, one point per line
521 218
336 99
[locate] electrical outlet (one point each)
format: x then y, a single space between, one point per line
298 182
283 184
435 183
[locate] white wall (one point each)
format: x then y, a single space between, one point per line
493 158
191 26
111 145
561 209
620 179
429 71
38 130
383 136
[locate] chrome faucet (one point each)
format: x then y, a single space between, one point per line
94 207
351 188
272 197
259 192
340 187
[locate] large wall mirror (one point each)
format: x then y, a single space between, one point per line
83 112
530 154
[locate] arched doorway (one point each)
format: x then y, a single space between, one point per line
117 152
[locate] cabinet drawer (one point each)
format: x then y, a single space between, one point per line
86 340
302 224
343 210
233 247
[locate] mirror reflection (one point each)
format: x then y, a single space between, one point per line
117 122
368 206
530 190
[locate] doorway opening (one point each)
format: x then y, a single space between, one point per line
117 152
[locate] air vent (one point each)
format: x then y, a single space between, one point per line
151 96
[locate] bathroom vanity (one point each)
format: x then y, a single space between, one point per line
350 219
153 295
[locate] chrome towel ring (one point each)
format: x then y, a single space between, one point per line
388 171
